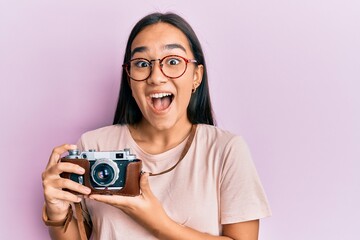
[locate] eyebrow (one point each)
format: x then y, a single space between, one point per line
174 46
166 47
139 49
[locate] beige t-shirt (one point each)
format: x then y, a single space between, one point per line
216 183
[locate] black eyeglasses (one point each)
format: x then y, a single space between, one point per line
172 66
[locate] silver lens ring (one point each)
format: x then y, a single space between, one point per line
109 165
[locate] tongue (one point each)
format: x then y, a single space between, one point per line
161 103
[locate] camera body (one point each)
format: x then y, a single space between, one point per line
106 172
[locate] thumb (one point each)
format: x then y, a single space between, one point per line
145 186
57 152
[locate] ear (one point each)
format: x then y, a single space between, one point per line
198 75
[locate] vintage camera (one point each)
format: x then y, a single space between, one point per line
106 172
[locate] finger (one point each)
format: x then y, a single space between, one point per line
58 151
54 171
62 183
66 167
110 199
144 185
54 195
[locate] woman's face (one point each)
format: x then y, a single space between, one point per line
164 101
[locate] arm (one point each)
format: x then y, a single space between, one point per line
72 231
242 231
236 231
148 212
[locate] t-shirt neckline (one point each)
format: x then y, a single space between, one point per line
171 153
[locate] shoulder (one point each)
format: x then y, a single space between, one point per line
103 131
218 136
228 148
101 136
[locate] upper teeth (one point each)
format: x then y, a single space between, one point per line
160 95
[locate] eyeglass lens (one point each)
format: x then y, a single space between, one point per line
171 66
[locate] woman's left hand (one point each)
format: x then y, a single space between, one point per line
144 209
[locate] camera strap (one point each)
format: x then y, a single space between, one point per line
80 221
183 153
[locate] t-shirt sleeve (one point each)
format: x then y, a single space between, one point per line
242 197
86 142
80 145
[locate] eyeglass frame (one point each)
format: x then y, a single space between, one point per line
127 64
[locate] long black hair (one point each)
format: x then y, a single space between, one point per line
199 109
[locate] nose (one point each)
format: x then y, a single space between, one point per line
156 75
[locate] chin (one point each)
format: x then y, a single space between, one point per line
167 124
163 126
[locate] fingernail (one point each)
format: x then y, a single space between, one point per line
72 146
81 170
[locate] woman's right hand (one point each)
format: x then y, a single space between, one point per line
57 200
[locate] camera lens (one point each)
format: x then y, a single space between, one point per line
104 172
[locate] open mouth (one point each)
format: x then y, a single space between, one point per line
161 101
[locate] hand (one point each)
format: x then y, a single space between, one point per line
144 209
57 201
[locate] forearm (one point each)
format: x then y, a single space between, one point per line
72 232
62 224
174 231
170 230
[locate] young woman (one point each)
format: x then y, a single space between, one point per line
213 193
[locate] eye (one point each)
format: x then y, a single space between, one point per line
140 63
173 61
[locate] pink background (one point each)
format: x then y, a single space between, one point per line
284 74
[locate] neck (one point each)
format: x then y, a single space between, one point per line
156 140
